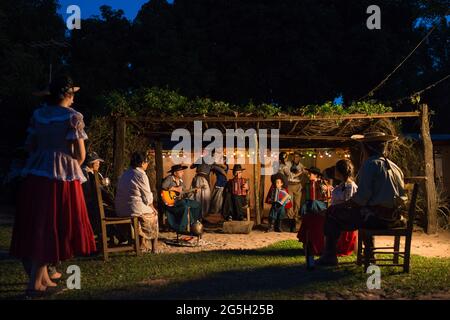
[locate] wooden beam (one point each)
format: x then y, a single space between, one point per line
281 136
119 147
281 118
430 187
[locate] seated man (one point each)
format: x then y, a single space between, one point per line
177 213
377 201
90 166
135 198
235 195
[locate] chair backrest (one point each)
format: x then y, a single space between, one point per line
412 206
98 192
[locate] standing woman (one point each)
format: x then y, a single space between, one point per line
201 181
52 223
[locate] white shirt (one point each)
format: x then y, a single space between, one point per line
133 195
286 170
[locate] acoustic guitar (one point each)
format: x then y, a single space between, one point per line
169 197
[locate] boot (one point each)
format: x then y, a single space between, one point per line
292 225
278 225
270 229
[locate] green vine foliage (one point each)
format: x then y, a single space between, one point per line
158 102
163 102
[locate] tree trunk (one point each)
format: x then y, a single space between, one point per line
430 187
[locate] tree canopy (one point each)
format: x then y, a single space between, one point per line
279 54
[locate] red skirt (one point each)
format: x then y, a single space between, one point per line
312 228
52 222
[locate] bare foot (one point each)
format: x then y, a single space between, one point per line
41 288
56 276
49 283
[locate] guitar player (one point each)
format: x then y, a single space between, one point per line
177 214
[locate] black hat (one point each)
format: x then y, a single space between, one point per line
280 176
236 168
61 85
283 155
314 170
93 156
177 167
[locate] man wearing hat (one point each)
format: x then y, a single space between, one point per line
377 201
178 213
294 172
90 166
236 195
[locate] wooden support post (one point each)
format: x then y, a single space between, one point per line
256 175
261 192
430 187
119 147
159 175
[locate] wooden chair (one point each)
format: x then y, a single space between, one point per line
105 221
366 255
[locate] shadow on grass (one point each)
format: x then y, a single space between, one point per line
250 284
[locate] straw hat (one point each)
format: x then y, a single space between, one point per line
374 136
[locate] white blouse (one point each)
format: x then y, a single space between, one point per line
133 194
51 129
343 192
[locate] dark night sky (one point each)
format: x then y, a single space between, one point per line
91 7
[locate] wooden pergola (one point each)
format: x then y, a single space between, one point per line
297 131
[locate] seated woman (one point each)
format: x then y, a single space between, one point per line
313 224
341 193
134 198
280 200
177 216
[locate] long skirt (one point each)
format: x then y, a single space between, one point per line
52 222
203 196
217 200
312 230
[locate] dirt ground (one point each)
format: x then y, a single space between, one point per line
422 244
437 245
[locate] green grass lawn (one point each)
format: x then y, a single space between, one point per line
275 272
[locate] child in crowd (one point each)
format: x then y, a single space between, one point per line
280 200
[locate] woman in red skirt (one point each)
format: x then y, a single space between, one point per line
52 223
